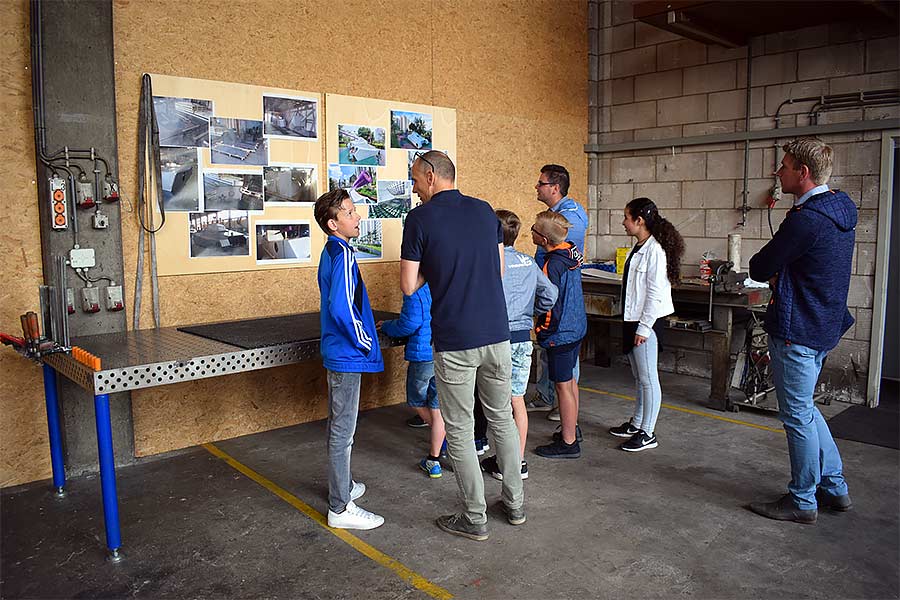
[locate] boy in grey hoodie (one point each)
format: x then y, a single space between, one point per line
528 292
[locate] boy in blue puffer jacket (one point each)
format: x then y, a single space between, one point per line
561 329
349 348
421 393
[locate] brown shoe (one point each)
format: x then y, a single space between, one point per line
784 509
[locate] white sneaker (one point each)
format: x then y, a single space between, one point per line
553 415
354 517
357 491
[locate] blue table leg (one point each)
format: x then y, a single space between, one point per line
56 451
108 476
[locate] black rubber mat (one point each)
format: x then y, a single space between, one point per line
269 331
877 426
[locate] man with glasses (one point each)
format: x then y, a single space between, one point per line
553 189
455 244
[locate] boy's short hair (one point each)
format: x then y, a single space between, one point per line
552 226
511 225
328 206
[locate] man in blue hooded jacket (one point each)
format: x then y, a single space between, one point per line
807 264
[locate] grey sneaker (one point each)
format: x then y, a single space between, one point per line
458 524
538 403
553 415
838 503
515 516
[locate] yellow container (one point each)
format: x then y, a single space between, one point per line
621 257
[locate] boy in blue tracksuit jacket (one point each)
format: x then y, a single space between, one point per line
561 329
421 394
349 348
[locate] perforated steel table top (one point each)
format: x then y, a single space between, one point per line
151 357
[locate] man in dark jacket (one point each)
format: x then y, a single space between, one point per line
807 264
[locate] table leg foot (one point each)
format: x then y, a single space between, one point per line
59 492
115 556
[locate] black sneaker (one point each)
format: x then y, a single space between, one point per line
489 465
559 449
557 435
416 421
639 441
459 525
625 430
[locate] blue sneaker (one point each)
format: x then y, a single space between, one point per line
432 467
481 445
443 453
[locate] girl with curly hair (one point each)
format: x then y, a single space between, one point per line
653 265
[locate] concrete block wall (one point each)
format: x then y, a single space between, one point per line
646 84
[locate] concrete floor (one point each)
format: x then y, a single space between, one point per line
661 523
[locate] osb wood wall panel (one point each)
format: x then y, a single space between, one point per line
516 72
24 454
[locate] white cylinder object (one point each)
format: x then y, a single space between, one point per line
734 250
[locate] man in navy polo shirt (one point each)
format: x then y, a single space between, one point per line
455 244
553 190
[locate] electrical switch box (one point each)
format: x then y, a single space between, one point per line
84 193
100 220
90 299
114 298
82 258
70 301
110 190
59 205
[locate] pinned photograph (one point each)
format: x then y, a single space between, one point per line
237 142
218 234
183 121
290 184
233 191
282 242
289 117
360 182
410 130
394 199
180 174
368 244
360 145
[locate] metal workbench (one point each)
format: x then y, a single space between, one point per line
148 358
724 307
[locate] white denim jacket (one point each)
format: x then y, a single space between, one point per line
649 293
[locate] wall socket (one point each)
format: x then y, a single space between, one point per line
90 299
100 220
114 298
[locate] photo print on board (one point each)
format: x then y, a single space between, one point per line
361 145
219 234
280 242
360 182
180 174
368 244
232 191
183 121
237 142
411 130
290 117
394 199
290 184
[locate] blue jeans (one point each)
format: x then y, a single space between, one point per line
643 361
343 409
815 460
420 387
545 388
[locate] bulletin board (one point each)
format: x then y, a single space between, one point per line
368 139
242 165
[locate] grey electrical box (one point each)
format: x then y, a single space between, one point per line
90 299
114 298
70 301
100 220
82 258
84 193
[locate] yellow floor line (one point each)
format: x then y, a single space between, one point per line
686 410
404 572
